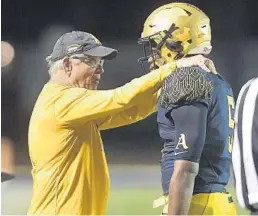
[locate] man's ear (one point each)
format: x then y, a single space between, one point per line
67 64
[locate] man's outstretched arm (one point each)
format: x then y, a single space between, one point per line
146 105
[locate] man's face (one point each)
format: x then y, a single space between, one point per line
86 72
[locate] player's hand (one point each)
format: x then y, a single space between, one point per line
198 60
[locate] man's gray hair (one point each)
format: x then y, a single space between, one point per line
53 66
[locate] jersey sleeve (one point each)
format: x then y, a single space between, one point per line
186 86
186 96
78 105
190 123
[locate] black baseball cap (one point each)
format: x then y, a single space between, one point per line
81 42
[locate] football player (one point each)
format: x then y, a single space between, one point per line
195 115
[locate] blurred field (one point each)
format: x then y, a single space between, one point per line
133 188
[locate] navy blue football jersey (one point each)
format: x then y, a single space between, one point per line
195 121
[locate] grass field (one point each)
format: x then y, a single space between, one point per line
139 201
132 192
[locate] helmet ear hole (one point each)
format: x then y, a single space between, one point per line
174 46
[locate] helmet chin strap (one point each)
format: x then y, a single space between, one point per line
171 45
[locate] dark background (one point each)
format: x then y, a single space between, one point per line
34 26
24 20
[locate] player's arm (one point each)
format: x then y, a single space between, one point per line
186 95
190 121
78 105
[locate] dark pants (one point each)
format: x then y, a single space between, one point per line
6 176
254 212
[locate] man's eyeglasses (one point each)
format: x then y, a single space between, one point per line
91 61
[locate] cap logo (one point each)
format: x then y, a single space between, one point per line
72 47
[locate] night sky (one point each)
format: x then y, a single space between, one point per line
24 20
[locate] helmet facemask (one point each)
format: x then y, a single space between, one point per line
160 49
150 51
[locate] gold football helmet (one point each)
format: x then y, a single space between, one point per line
173 31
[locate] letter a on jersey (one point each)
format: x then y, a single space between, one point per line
181 142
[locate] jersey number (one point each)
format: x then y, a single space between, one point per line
231 107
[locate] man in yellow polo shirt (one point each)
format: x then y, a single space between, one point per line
69 169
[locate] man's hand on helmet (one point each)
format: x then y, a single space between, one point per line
198 60
154 64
